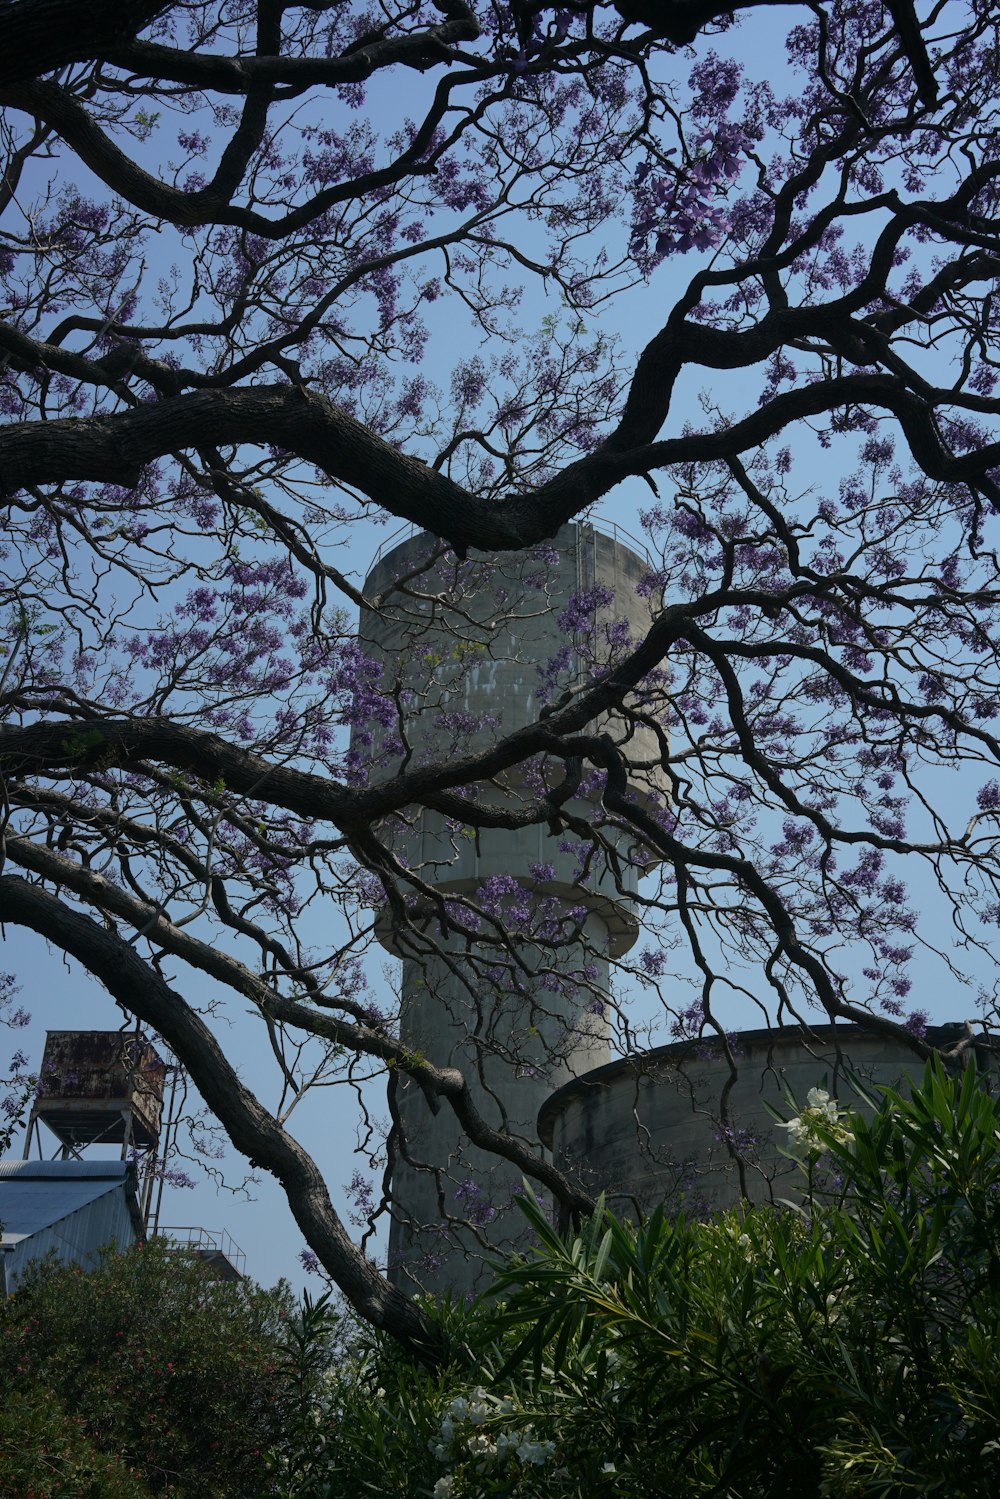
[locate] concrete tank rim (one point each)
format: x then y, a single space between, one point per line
624 1067
404 538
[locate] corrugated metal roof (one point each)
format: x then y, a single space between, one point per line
103 1170
36 1194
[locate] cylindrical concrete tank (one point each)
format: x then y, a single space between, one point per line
665 1127
470 652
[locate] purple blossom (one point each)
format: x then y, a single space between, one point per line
478 1209
162 1171
581 610
362 1196
988 797
653 964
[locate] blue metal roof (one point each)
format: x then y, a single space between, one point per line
106 1170
36 1194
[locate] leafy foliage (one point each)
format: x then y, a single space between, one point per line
45 1453
846 1346
146 1360
318 1357
18 1086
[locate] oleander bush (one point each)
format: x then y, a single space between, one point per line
845 1346
45 1453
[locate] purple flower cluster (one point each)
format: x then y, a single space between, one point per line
309 1262
477 1206
580 611
361 1194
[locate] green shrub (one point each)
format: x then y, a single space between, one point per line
845 1348
849 1347
173 1372
320 1368
47 1454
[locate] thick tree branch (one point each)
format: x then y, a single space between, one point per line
435 1082
253 1131
234 75
115 448
39 36
911 39
681 20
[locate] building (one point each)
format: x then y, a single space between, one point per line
99 1091
70 1209
674 1124
471 651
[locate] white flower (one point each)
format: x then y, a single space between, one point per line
608 1468
442 1489
798 1130
820 1113
482 1446
536 1452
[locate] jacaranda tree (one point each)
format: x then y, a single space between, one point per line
274 272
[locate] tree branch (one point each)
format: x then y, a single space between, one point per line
115 448
39 36
140 990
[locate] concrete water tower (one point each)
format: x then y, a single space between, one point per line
673 1126
472 651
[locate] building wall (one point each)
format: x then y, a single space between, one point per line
77 1238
